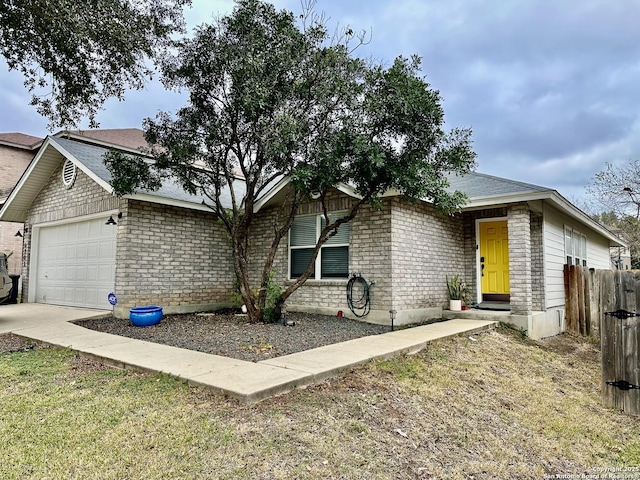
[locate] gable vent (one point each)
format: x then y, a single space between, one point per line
68 173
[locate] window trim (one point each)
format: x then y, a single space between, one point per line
317 275
578 240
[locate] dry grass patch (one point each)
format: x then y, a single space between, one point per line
493 407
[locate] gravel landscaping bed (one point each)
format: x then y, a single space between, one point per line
233 336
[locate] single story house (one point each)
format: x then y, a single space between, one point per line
509 243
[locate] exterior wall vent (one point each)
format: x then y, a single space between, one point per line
68 173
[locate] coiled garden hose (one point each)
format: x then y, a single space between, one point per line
358 298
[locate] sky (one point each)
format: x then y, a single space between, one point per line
550 88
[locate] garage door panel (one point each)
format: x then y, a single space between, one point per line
70 252
70 273
76 264
68 294
80 274
81 252
58 273
92 296
93 250
82 232
91 273
106 249
105 272
60 253
70 232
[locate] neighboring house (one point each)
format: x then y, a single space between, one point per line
620 254
509 243
16 151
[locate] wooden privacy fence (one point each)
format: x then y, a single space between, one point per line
620 367
590 293
605 302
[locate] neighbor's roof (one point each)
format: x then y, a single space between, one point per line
128 138
88 158
20 140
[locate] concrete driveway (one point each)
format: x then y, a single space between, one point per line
27 315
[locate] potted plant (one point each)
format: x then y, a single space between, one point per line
458 292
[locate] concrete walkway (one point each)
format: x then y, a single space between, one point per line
246 381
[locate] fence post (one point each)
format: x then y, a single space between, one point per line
620 338
591 297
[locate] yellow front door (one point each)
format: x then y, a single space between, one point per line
494 257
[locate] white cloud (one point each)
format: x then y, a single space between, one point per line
549 87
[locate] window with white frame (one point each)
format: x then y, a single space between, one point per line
575 247
333 258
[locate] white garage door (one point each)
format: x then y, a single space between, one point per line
76 264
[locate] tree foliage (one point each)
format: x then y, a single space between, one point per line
617 189
75 55
273 96
616 193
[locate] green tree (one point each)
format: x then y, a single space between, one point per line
272 96
75 55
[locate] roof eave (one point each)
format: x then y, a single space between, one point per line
269 196
550 195
172 202
9 214
21 146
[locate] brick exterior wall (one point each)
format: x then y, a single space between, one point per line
537 263
320 294
371 237
405 249
57 202
172 257
179 258
519 225
164 255
10 243
13 162
426 246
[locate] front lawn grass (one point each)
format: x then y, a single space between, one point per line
496 406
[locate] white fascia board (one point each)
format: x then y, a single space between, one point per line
172 202
501 200
271 193
348 190
554 197
278 187
578 214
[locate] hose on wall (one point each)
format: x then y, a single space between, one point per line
358 295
